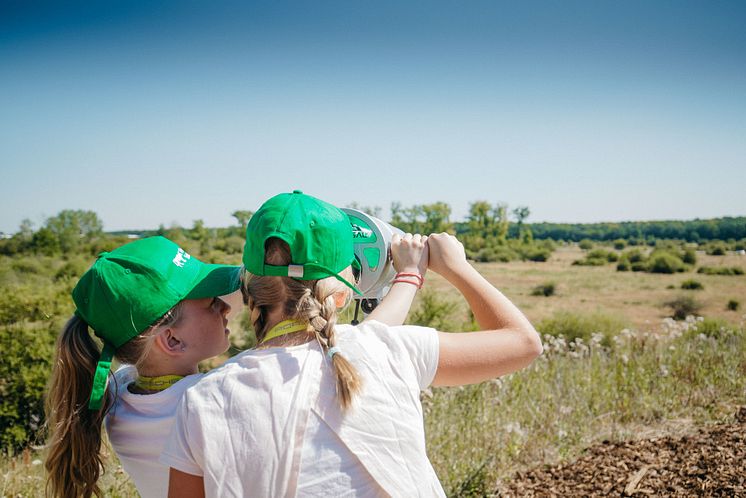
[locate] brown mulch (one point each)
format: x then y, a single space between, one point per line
709 462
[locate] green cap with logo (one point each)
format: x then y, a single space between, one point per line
130 288
318 233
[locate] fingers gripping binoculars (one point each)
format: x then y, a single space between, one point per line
372 244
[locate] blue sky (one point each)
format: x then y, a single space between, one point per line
167 112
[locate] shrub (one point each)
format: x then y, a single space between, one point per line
620 244
585 244
24 368
597 257
717 249
665 262
733 305
692 285
683 306
623 265
712 327
689 257
590 262
576 325
639 266
434 311
71 269
720 270
27 266
546 289
538 254
498 253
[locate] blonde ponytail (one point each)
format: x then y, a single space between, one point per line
74 462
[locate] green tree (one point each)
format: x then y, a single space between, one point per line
521 213
242 217
437 218
503 223
72 226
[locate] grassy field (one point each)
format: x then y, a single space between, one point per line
655 375
634 298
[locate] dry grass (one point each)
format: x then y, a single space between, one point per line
571 397
635 298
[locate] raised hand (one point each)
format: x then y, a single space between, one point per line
447 254
410 253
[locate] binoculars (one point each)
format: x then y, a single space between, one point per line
372 242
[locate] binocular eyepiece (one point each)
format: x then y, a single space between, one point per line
372 244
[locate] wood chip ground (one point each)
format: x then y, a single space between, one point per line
709 462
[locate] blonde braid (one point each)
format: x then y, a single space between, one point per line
321 312
308 300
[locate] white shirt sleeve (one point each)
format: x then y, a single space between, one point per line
421 345
183 449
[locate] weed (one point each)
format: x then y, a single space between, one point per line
547 289
692 285
683 306
720 270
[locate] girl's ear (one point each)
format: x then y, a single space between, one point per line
340 298
168 342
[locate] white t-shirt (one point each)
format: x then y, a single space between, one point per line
268 423
138 426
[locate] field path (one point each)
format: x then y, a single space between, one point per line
709 462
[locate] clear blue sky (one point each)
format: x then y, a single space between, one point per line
162 112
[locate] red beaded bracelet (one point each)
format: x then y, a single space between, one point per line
420 279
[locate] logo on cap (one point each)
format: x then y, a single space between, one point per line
181 258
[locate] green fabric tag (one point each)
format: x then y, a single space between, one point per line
100 377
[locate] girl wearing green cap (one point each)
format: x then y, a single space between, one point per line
322 409
155 308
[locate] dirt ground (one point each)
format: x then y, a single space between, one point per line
711 461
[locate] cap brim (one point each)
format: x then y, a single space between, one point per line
215 280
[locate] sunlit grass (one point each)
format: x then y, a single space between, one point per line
579 393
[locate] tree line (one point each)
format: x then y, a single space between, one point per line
490 232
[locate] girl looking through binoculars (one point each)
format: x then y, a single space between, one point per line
327 409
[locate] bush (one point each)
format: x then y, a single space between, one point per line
623 265
538 254
27 266
692 285
733 305
683 306
590 262
711 327
720 270
24 368
546 289
434 311
585 244
71 269
597 257
620 244
718 249
494 254
575 325
689 257
635 256
665 262
639 266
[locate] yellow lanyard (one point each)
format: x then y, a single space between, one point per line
160 383
285 327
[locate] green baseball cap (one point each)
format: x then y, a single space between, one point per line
130 288
318 233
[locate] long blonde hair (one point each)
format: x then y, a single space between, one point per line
75 461
309 300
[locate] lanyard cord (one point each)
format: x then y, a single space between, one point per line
285 327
